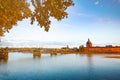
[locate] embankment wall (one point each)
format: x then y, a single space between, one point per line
102 49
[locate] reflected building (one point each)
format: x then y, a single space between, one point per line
90 66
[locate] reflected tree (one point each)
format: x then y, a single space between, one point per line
12 11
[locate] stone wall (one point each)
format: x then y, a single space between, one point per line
102 50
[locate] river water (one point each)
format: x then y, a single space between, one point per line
22 66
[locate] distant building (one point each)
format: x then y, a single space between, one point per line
88 43
109 46
67 47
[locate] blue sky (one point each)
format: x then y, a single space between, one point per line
98 20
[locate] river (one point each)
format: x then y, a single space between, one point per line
22 66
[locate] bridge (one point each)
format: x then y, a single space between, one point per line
36 51
54 51
4 54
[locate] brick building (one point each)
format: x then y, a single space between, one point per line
88 43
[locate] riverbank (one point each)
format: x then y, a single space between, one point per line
102 50
118 57
67 50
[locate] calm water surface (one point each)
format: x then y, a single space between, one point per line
22 66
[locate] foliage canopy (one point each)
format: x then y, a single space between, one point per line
12 11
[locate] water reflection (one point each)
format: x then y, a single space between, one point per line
4 60
90 66
22 66
3 69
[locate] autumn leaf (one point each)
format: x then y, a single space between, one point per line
12 11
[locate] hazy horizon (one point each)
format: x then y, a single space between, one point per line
48 44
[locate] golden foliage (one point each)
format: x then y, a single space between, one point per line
12 11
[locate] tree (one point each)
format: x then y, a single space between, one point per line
12 11
81 48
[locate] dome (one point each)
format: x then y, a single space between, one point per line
88 43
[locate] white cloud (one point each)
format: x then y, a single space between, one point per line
97 2
83 15
104 19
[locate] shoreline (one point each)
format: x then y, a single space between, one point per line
84 50
113 56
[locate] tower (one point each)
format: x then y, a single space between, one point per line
88 43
